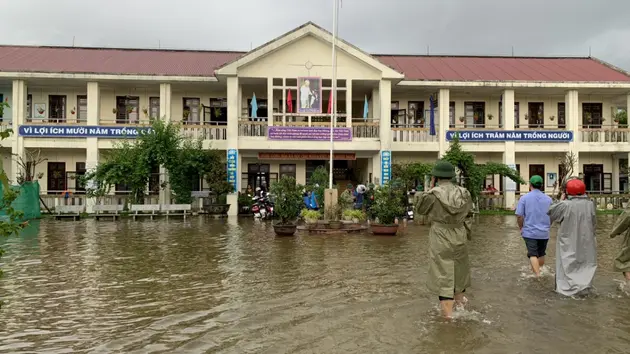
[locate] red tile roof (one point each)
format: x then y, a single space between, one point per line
450 68
203 63
112 61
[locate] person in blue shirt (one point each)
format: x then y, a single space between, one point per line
313 204
534 222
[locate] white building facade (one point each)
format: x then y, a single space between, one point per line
70 105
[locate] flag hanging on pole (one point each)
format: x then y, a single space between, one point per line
432 116
254 105
289 102
365 109
330 103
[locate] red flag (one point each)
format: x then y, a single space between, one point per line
289 102
330 103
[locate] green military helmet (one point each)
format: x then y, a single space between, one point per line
443 169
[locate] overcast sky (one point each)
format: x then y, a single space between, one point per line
483 27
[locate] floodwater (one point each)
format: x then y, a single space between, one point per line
228 286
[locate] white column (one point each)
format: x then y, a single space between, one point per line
509 156
166 92
165 102
233 103
270 101
385 93
573 124
375 110
349 103
92 153
18 107
444 99
376 169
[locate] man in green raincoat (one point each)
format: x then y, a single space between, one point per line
447 207
622 262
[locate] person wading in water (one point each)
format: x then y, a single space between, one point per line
622 262
447 207
534 222
576 245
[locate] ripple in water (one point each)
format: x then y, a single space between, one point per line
223 286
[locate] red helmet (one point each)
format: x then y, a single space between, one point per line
576 187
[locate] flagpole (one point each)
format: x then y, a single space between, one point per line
334 90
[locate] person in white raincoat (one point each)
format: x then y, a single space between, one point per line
576 245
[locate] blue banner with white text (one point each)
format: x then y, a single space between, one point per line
386 166
73 131
232 162
511 135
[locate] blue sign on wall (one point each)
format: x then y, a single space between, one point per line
73 131
232 161
511 135
386 166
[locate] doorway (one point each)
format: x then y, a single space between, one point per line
258 174
56 177
537 170
593 174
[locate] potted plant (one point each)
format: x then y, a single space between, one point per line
490 116
462 119
386 208
217 180
244 204
332 214
354 216
310 217
288 196
186 114
114 110
145 111
552 118
73 110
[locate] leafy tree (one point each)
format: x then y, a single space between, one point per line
132 162
387 204
472 174
318 183
12 223
288 195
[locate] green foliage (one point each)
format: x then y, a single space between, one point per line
411 174
12 223
621 117
345 200
132 162
318 183
288 199
473 175
349 214
311 216
387 204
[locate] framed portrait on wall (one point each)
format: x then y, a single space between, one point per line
309 95
39 110
552 178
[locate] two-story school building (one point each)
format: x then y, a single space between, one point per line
270 110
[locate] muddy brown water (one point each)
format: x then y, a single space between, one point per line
228 286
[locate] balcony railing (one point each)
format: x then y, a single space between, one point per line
605 134
249 128
366 128
68 120
414 133
206 131
314 120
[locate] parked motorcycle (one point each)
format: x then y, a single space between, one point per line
262 207
410 207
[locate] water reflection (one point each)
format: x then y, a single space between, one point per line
231 286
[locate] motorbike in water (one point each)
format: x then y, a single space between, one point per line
410 197
262 207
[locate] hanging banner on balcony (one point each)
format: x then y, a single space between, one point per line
73 131
511 135
232 171
308 133
386 166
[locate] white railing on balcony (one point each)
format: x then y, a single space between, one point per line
605 134
206 131
313 120
366 128
68 120
249 128
414 133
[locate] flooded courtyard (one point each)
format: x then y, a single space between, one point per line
231 286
